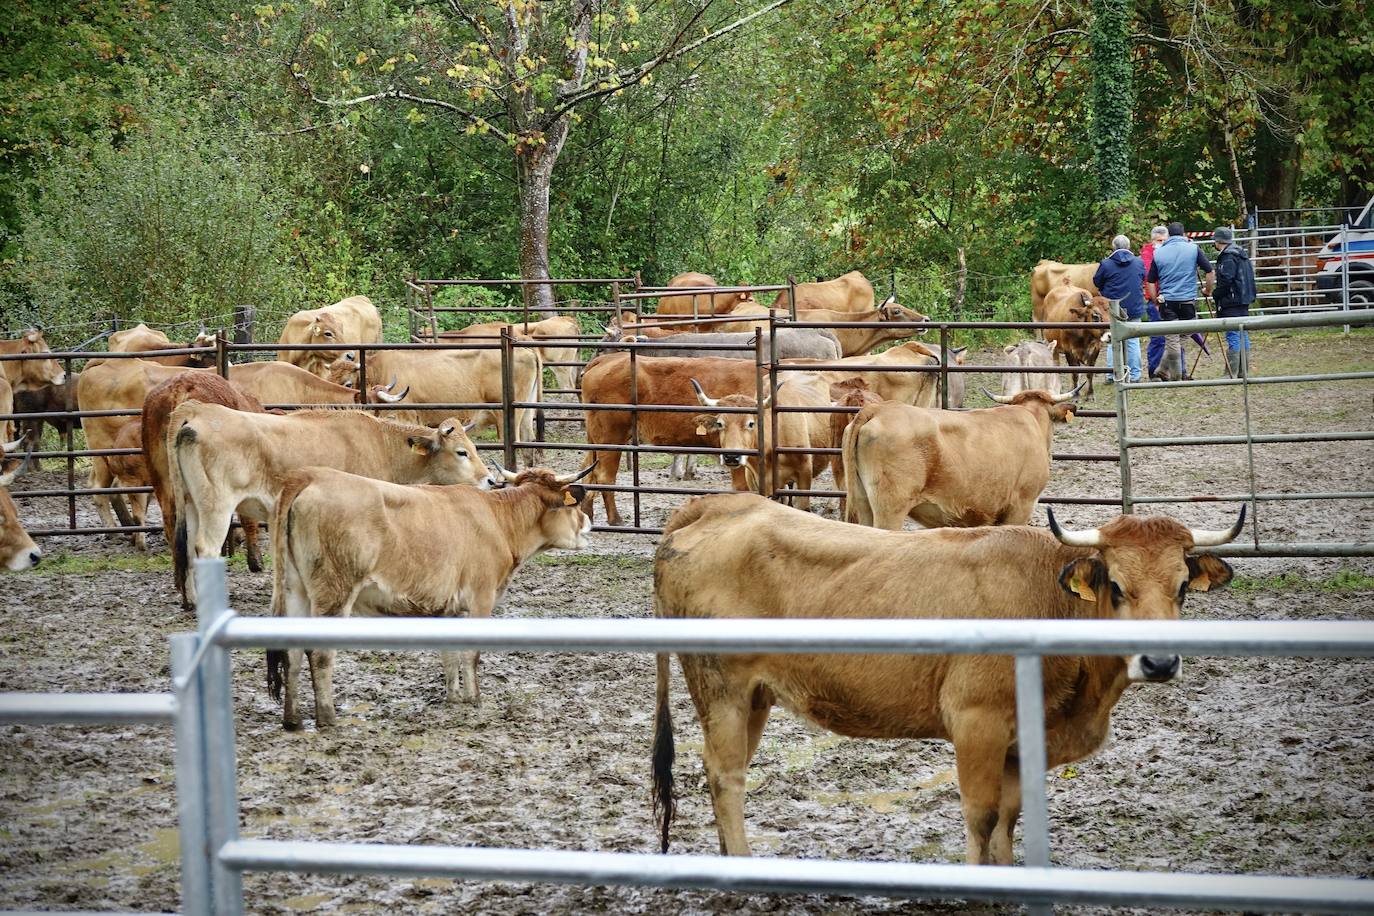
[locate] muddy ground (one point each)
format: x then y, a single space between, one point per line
1246 765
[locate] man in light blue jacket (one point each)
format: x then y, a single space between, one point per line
1174 271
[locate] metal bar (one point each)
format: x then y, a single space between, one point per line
63 532
1129 329
1257 497
72 492
1321 638
1259 380
80 354
508 432
1293 549
944 364
218 691
571 281
634 422
70 438
1123 456
86 708
1030 752
843 367
190 776
777 875
765 480
1336 436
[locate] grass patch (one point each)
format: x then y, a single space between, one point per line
1347 580
82 564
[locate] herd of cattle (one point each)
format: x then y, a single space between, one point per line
354 532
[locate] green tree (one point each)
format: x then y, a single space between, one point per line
1113 99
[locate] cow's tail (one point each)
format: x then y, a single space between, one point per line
858 509
283 563
184 437
664 805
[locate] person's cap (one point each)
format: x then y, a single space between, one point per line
1223 234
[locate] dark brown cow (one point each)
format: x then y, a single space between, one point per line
157 412
744 556
47 399
666 380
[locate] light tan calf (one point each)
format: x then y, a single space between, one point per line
848 293
344 545
745 556
28 374
1030 354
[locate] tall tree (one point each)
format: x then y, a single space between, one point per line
515 72
1113 99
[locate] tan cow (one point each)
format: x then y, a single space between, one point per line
744 556
700 304
951 469
920 389
738 433
275 382
1030 354
853 341
132 471
354 320
852 393
223 461
848 293
18 552
7 427
27 374
452 377
347 545
1080 348
561 326
162 399
1048 275
143 339
116 384
666 380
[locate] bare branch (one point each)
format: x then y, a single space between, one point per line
626 78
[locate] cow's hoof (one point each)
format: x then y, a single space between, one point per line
291 725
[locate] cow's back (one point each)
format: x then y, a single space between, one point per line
703 304
850 292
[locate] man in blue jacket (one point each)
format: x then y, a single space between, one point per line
1121 275
1175 270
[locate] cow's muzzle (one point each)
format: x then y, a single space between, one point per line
1154 668
732 461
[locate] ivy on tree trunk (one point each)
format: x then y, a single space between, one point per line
1113 97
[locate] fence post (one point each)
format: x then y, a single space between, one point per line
68 391
1345 270
944 367
216 679
221 355
1030 751
634 433
362 375
190 777
792 296
772 413
759 442
1122 426
508 396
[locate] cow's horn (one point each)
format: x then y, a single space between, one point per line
999 398
574 478
957 350
701 395
467 427
1210 537
12 446
1069 395
384 395
1089 538
509 476
392 386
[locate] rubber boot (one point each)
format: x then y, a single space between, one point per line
1244 357
1171 368
1233 363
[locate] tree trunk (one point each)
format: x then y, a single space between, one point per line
536 176
1113 98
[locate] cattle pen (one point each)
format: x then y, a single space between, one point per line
234 828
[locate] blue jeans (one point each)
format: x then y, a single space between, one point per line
1237 340
1155 352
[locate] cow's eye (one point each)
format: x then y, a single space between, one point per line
462 453
1117 595
749 424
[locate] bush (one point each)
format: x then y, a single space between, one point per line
173 226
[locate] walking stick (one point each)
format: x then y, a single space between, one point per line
1220 348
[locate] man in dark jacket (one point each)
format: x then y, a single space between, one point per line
1121 275
1235 291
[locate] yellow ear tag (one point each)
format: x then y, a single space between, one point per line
1068 415
1081 589
1199 583
702 430
568 499
420 447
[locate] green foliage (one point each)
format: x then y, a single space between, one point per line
173 225
1112 97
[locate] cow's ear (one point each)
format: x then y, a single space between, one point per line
704 421
574 495
1207 572
1050 345
420 445
1009 349
1084 578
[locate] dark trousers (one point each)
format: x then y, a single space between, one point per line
1155 353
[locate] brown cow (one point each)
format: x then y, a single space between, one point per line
920 389
848 393
354 320
223 461
951 469
1048 275
744 556
18 552
738 432
132 471
1080 348
666 380
27 374
347 545
116 384
848 293
700 304
162 399
143 339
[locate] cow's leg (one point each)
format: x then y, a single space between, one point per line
980 738
138 507
295 602
1008 811
322 679
607 467
480 609
761 704
727 712
803 482
101 478
251 547
290 707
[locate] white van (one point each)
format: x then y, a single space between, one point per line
1359 254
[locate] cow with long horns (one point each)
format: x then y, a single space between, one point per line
349 545
948 469
740 555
